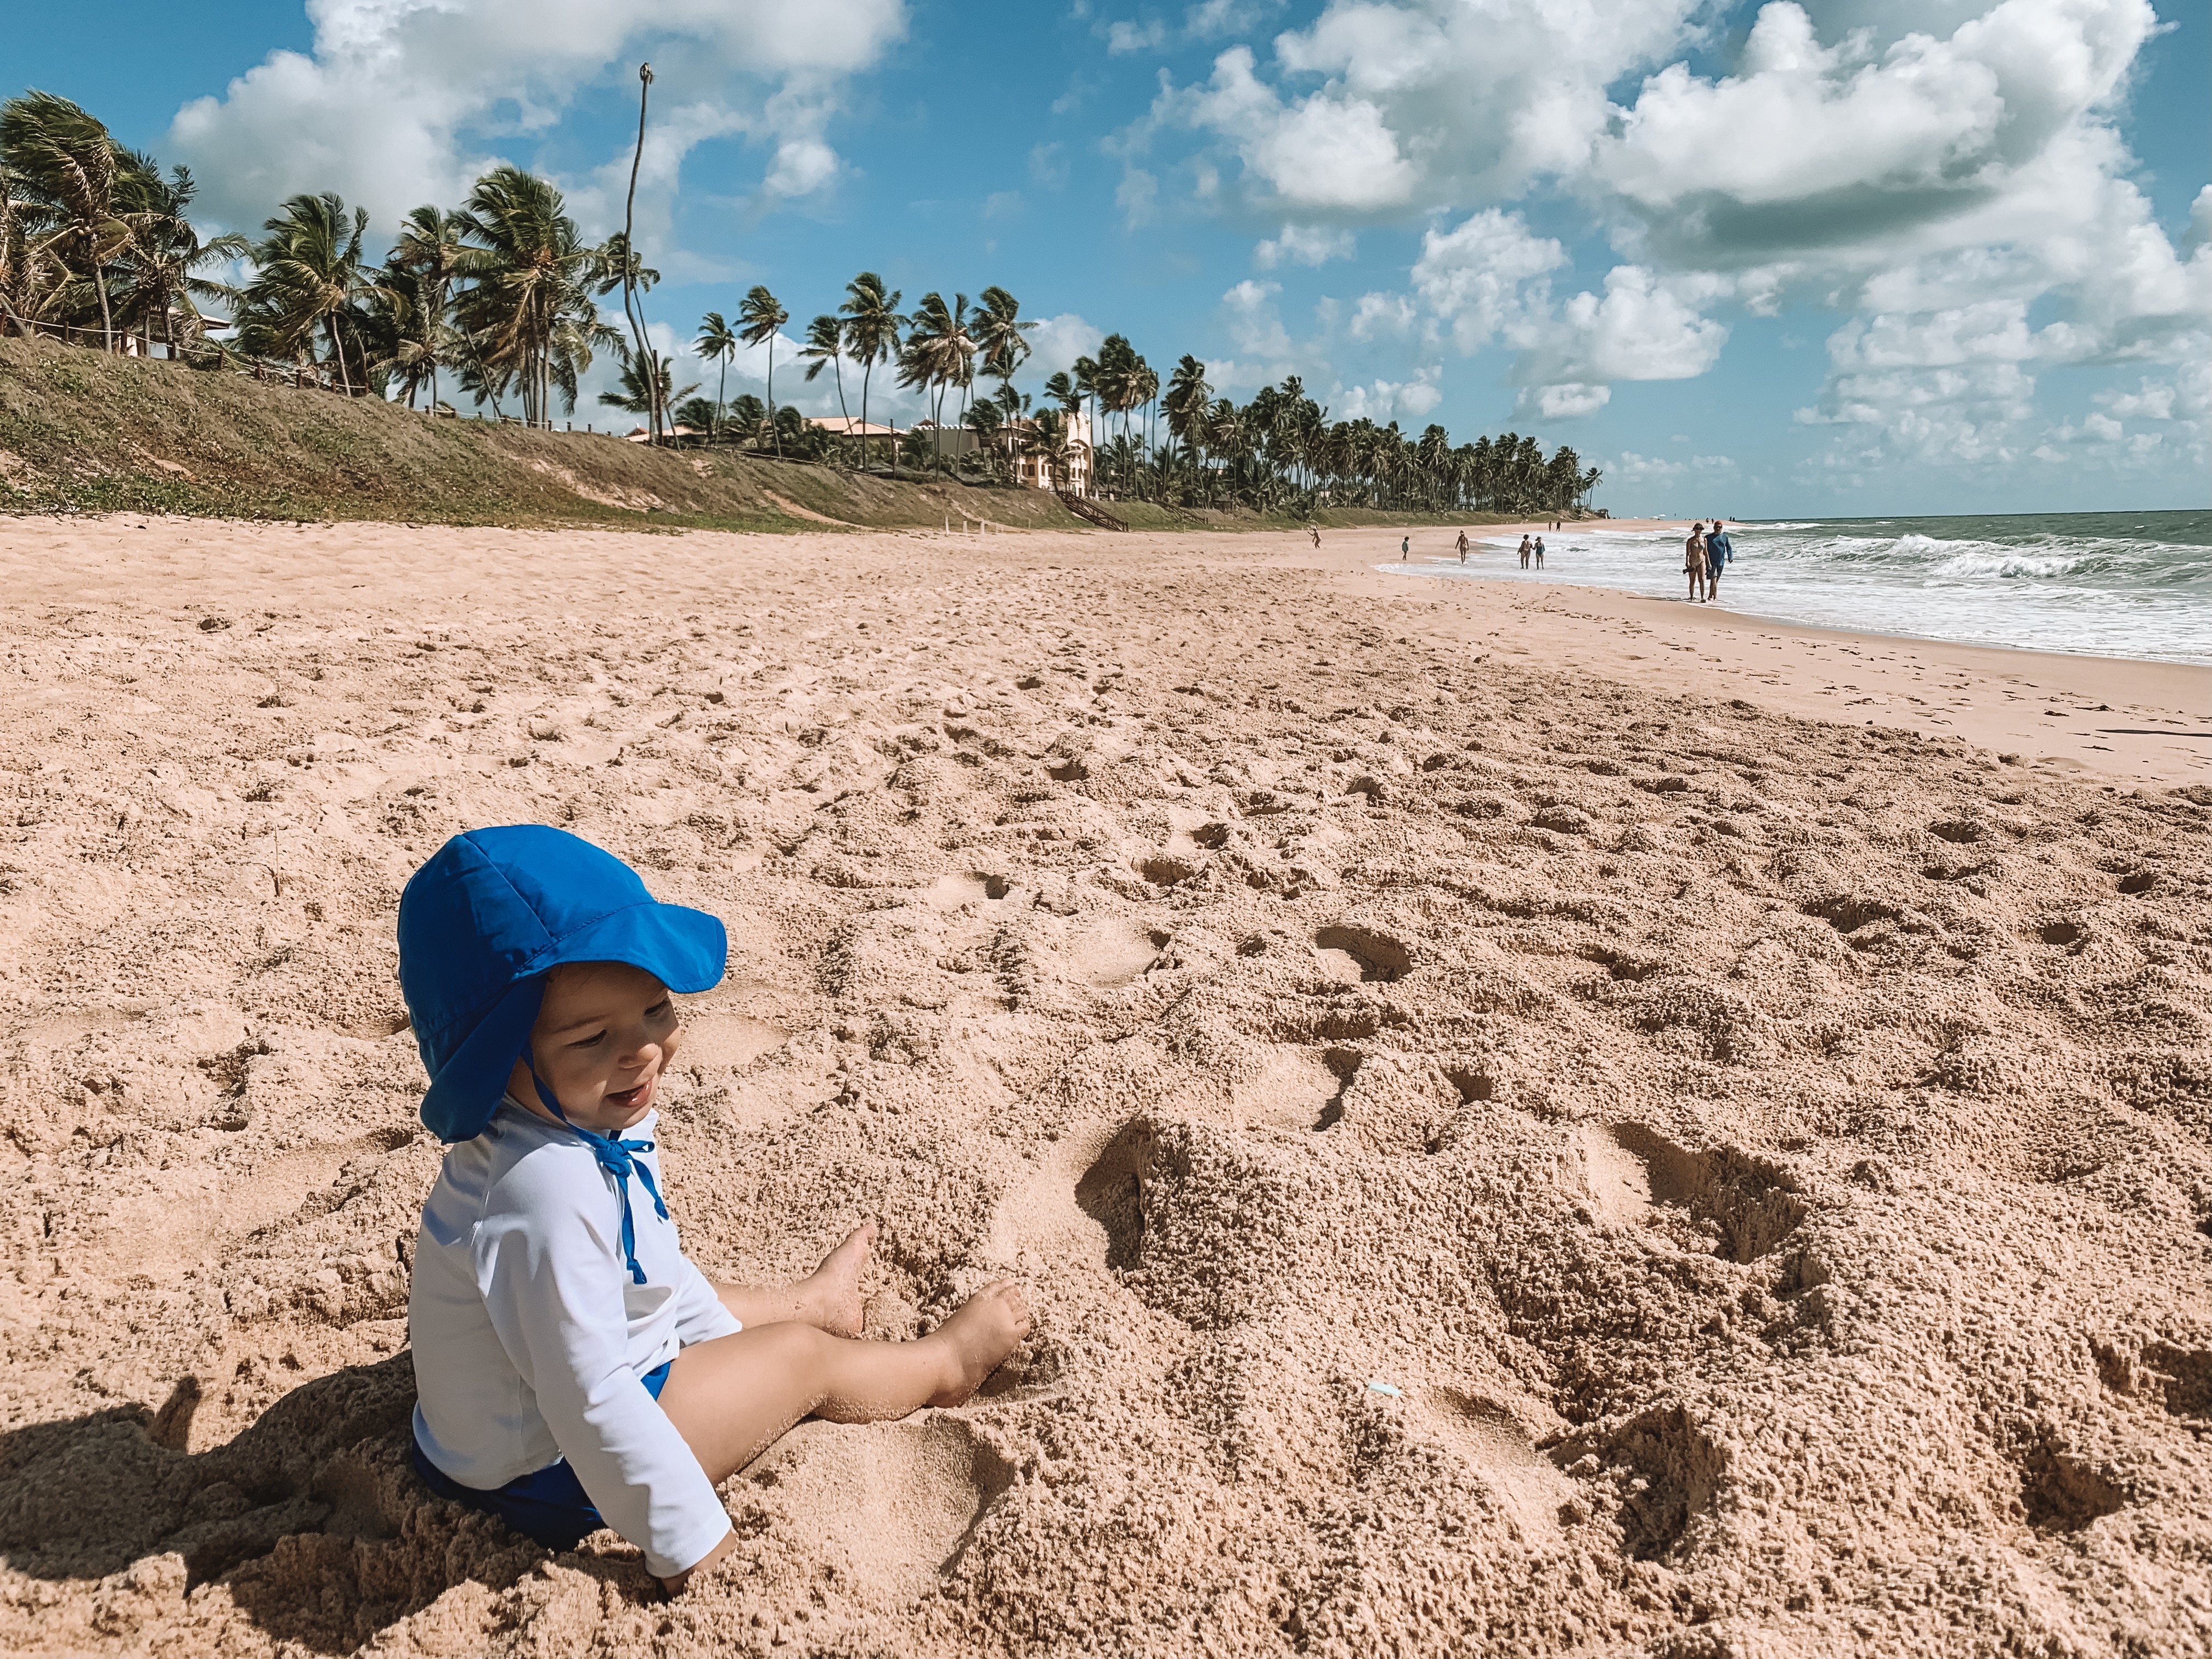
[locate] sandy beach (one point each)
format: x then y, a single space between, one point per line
1535 1120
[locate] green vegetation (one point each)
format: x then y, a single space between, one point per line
83 431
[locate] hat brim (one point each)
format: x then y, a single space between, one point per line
686 950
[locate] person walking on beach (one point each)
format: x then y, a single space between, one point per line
1718 552
1540 552
1314 530
1693 561
1405 546
1462 547
1525 546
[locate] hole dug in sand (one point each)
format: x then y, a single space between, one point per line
2061 1490
1753 1205
1361 953
1163 870
952 890
895 1504
1666 1472
1112 1192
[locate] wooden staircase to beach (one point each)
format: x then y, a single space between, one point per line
1090 511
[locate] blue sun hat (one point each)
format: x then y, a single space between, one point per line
481 923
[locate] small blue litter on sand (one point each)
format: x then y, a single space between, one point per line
1390 1388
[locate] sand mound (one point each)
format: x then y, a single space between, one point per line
1503 1162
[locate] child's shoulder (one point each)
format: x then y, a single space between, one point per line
522 1165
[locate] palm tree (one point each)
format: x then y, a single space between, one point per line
641 395
825 344
1047 439
430 248
758 319
308 273
631 309
402 338
936 353
716 344
1185 403
529 310
1085 375
872 336
66 165
999 329
985 420
166 254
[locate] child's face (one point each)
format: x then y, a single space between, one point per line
605 1034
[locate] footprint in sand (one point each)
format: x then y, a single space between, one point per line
894 1505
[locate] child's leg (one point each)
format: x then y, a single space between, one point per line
729 1398
828 1298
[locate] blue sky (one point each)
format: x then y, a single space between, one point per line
1846 256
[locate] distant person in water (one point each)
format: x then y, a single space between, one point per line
1718 552
1694 560
1525 544
1462 547
1540 552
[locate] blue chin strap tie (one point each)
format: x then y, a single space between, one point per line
617 1158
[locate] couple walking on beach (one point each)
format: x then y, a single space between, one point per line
1532 550
1704 557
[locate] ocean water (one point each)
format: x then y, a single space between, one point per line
2099 584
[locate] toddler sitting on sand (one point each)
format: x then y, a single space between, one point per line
573 1369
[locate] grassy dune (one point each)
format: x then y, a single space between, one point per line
82 432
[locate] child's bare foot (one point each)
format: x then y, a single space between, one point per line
987 1328
829 1297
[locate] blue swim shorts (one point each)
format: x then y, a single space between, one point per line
548 1504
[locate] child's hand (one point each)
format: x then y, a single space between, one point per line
674 1586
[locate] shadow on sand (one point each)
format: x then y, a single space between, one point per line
312 1518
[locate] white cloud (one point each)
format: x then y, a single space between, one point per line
1135 196
2153 402
1384 401
1057 342
1126 36
1631 468
400 102
1319 153
1420 102
1484 274
1939 172
1381 313
1562 402
1641 328
1305 245
1049 164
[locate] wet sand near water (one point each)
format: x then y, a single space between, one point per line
1593 1151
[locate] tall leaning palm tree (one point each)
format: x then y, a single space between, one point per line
308 273
65 164
716 343
758 319
873 324
825 345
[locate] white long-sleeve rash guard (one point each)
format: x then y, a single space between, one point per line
531 1340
